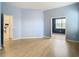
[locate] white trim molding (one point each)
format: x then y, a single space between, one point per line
27 38
69 40
46 37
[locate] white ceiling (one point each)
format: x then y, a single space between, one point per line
40 5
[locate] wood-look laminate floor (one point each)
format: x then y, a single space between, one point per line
57 46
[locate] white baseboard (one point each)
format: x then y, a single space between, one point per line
46 37
27 38
72 41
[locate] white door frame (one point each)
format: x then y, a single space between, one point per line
58 17
11 30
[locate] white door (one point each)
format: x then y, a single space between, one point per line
7 29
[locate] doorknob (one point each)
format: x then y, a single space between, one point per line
5 27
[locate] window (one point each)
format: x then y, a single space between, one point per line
60 23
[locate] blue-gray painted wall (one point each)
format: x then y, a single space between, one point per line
78 20
72 20
32 23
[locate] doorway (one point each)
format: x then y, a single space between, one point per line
58 28
59 25
7 29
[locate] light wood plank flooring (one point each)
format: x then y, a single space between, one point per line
57 46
